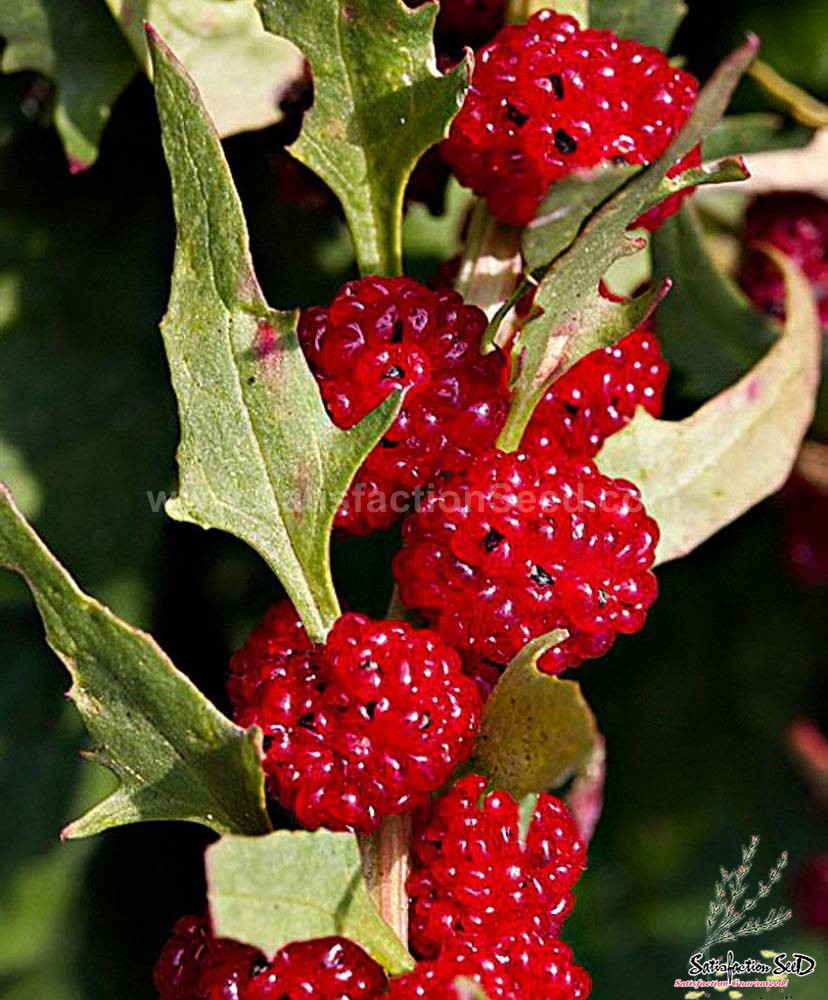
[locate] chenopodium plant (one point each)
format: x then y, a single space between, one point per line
512 422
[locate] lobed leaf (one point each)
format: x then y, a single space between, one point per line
653 22
379 103
176 757
76 44
241 71
574 318
699 474
537 729
269 891
259 456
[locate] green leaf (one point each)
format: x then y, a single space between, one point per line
175 755
240 69
653 22
76 44
710 332
754 133
259 456
570 203
537 729
379 103
269 891
699 474
574 317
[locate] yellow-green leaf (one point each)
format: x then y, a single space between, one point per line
537 729
259 456
699 474
269 891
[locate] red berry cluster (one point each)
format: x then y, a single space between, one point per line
195 965
599 395
474 871
526 543
364 727
796 224
548 98
381 334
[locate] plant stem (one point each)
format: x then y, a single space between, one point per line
385 863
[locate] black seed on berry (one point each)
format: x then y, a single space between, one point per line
306 721
570 408
539 575
267 743
492 540
395 372
564 142
371 665
370 709
557 85
425 720
258 967
387 443
397 332
603 597
518 117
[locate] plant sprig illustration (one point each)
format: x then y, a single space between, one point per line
726 920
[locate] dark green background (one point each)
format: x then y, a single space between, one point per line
695 708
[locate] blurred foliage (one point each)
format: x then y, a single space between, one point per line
695 708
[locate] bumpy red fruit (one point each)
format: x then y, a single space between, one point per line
548 98
520 965
381 334
195 965
524 544
796 224
599 395
364 727
473 872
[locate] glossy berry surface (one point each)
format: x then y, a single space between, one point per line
548 98
364 727
195 965
521 965
381 334
524 544
599 395
474 872
796 224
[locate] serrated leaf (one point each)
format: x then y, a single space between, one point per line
240 69
76 44
570 203
573 315
699 474
259 456
653 22
537 729
710 332
269 891
379 103
175 755
756 132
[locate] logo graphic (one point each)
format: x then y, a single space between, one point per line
730 916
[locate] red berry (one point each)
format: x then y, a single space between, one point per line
364 727
381 334
796 224
525 543
194 965
599 395
521 965
548 98
473 873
